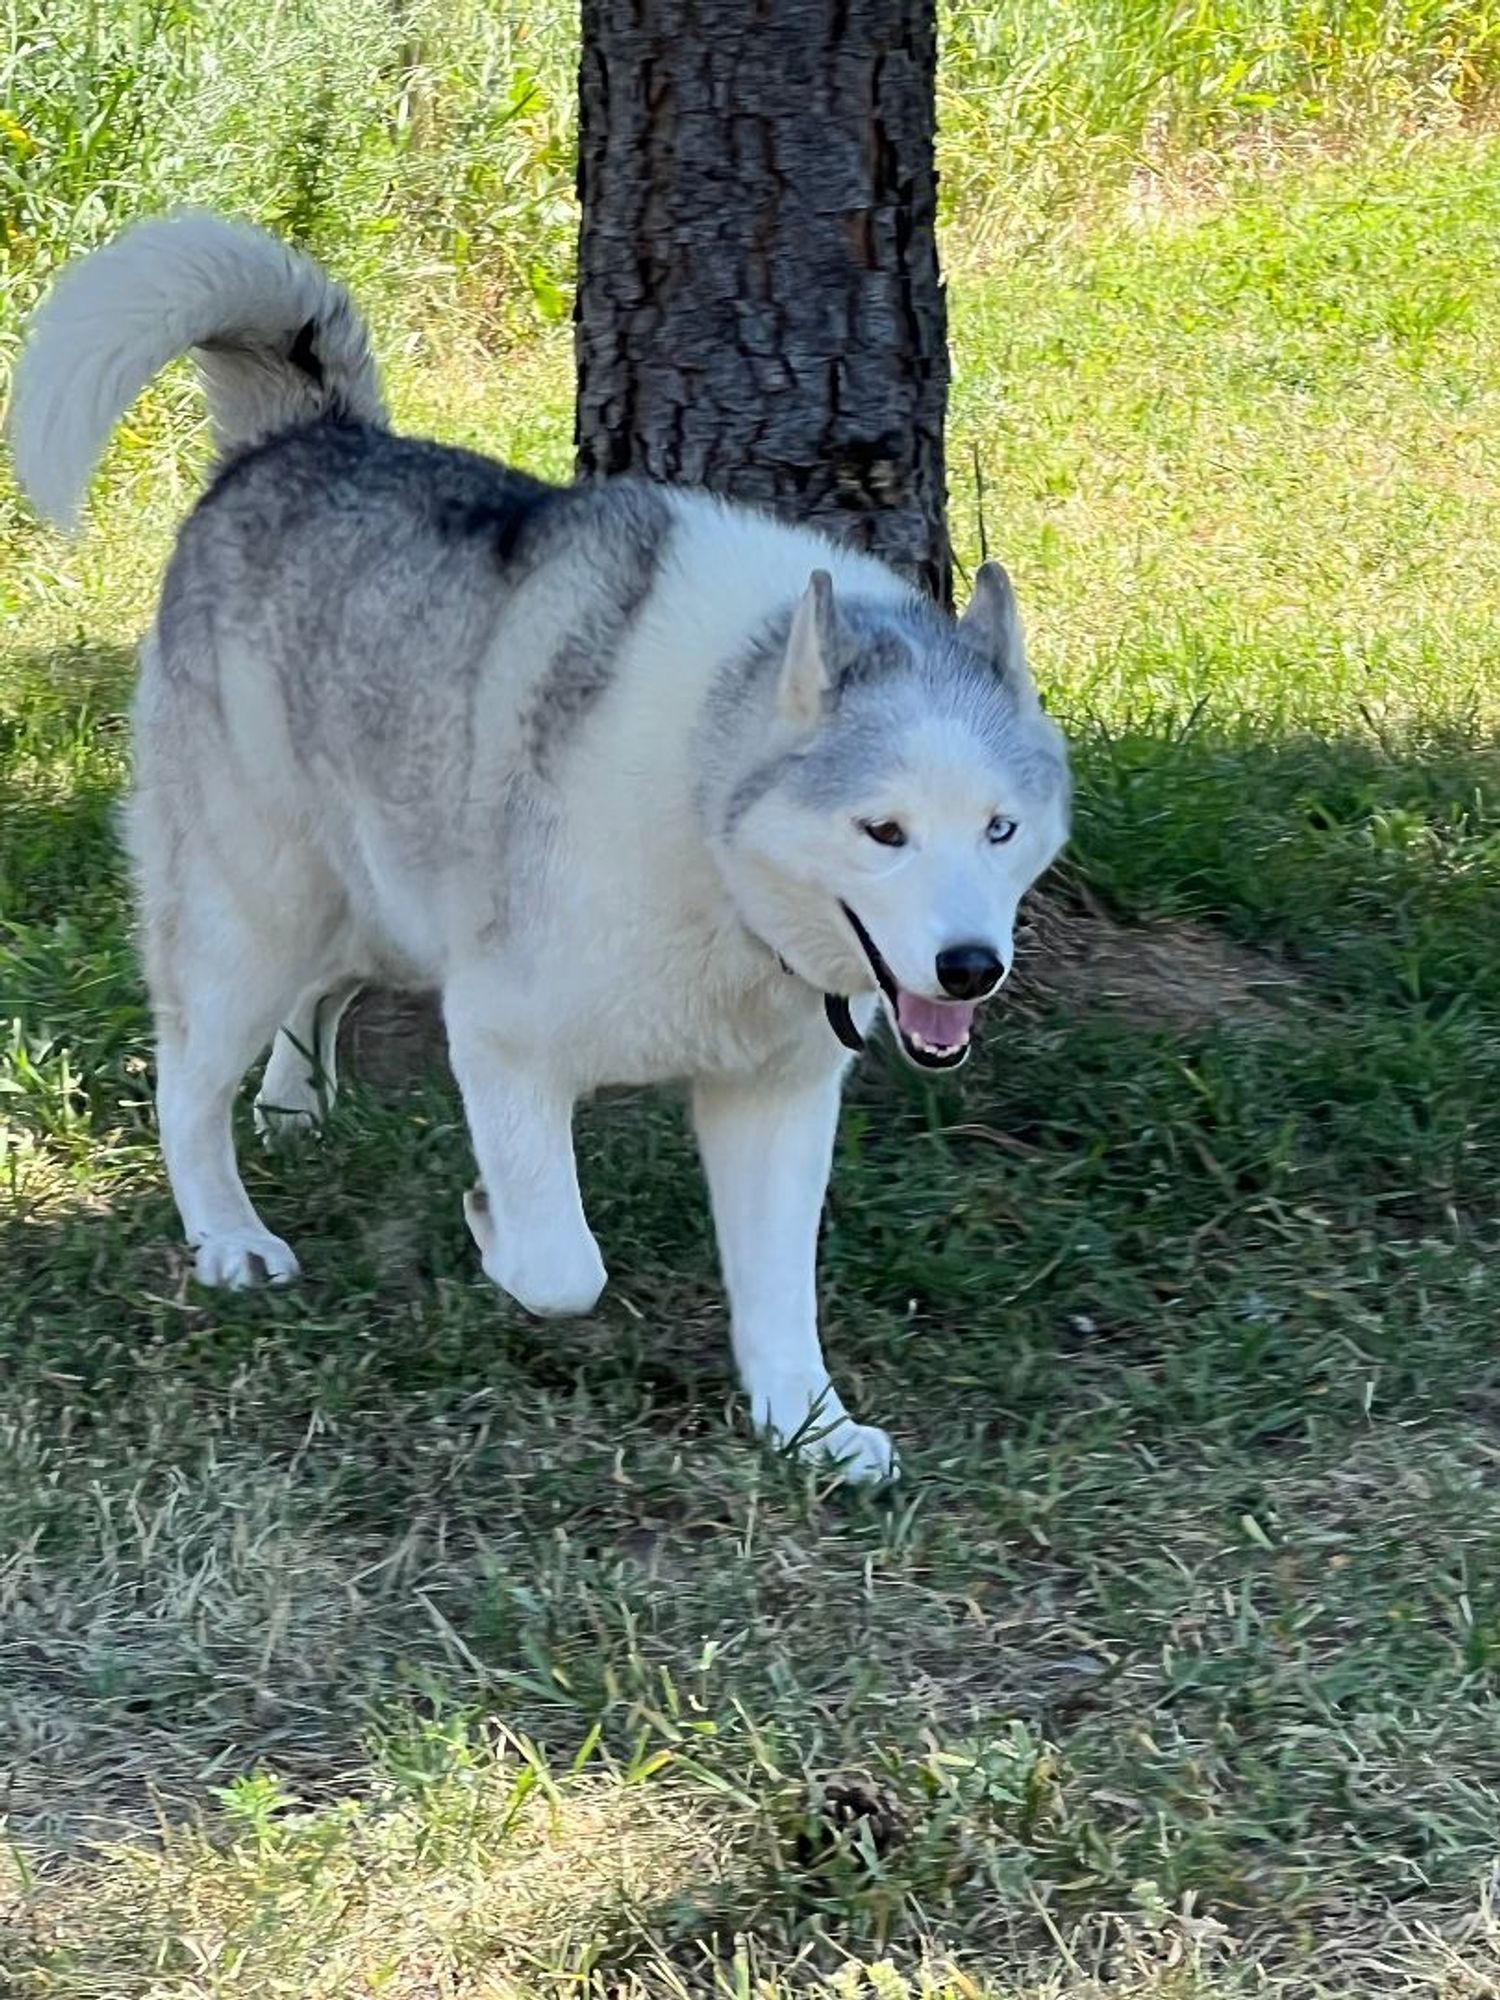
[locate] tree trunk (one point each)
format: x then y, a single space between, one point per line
759 306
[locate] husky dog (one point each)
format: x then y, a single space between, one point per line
645 785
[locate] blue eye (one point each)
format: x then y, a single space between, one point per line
999 831
889 832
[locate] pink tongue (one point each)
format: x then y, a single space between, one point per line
942 1024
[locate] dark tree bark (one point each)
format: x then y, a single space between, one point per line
759 305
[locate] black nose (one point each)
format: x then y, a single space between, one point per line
969 971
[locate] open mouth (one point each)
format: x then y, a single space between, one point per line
934 1034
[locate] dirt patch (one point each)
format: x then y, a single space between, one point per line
1071 960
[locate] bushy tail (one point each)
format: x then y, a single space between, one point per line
276 341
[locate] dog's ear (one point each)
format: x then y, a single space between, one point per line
811 654
992 625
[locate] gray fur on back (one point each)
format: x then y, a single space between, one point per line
371 573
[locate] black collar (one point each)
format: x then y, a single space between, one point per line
836 1007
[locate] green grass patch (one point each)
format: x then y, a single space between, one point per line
427 148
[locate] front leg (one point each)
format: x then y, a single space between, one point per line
766 1149
526 1215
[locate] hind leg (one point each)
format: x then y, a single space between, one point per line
233 930
223 1019
301 1076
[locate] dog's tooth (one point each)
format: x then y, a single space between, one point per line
942 1051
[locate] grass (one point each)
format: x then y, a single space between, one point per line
360 1641
429 146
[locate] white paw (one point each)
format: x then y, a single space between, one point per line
244 1258
825 1434
865 1456
288 1104
560 1279
280 1124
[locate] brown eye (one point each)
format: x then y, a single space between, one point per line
889 832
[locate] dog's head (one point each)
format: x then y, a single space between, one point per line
911 791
